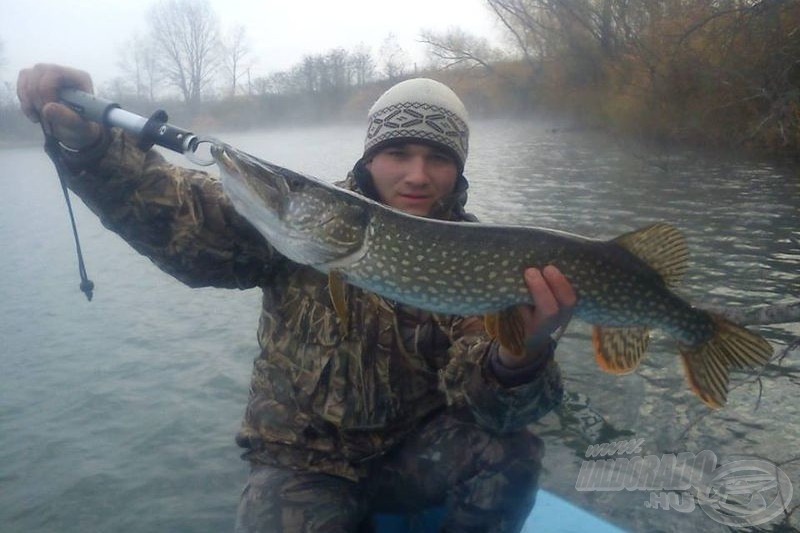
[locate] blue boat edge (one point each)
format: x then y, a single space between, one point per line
551 513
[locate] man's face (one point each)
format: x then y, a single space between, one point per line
413 177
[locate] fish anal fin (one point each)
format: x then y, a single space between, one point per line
662 247
337 290
508 328
619 350
707 365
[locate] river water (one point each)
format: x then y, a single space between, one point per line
119 414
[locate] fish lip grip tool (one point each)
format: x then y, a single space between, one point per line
150 131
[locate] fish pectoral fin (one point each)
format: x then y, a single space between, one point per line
707 364
619 350
490 324
662 247
508 328
337 290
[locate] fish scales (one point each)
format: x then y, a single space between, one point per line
477 269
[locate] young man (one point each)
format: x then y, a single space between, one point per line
409 409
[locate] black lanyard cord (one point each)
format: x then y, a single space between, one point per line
51 148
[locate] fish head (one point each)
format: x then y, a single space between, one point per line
308 221
246 182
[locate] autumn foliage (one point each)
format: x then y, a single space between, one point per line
711 73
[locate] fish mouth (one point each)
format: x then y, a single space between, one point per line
227 165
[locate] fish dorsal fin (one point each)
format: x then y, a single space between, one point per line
662 247
508 329
619 350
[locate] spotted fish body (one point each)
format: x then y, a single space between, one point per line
476 269
473 269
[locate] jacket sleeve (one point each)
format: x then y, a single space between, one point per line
177 217
498 405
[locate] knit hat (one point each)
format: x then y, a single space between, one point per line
419 110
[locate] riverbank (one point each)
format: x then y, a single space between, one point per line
499 95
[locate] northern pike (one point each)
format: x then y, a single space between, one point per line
464 268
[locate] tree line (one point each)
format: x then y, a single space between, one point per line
721 73
187 63
710 72
185 51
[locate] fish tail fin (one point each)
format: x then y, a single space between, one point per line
707 365
662 247
619 350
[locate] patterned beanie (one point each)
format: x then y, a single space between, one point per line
419 110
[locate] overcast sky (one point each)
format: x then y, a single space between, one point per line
89 34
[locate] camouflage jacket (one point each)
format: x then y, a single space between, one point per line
318 400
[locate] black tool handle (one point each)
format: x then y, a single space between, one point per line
87 105
158 131
155 130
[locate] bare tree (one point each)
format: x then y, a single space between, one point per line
324 73
531 26
362 65
280 83
186 33
589 33
260 86
307 74
8 98
394 58
138 63
118 89
152 77
339 75
456 48
236 49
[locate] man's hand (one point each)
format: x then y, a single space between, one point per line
37 90
555 299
